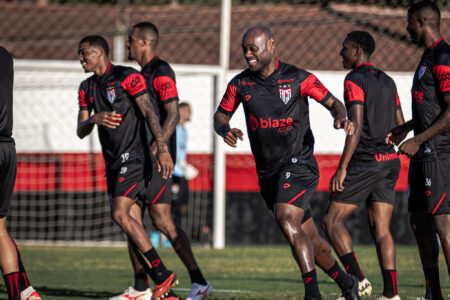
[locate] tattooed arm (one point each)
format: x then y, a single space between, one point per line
164 160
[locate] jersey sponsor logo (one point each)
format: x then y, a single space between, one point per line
385 157
427 181
253 123
249 83
285 91
417 96
282 124
421 71
247 97
281 81
111 93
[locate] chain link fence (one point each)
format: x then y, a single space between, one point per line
62 198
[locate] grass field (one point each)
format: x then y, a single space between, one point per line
235 273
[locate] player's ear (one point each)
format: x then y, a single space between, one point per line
271 44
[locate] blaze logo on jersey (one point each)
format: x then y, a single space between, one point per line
111 93
285 91
422 71
252 122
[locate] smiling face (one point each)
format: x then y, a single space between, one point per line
258 50
90 57
349 54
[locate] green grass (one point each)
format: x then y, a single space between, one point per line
258 272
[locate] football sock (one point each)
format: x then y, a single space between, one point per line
428 295
311 285
24 282
12 285
432 278
390 283
197 277
158 272
343 280
140 282
351 265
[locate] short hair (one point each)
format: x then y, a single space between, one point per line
363 39
148 30
96 41
430 6
183 105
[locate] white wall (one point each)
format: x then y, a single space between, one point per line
46 107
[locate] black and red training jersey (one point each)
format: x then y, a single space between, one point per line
116 91
162 87
277 113
6 95
377 92
430 84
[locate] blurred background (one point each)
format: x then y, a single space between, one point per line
60 190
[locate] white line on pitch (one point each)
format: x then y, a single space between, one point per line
215 290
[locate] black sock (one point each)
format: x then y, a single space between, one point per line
390 283
343 280
197 277
428 295
311 285
351 265
432 278
158 271
140 282
24 282
12 285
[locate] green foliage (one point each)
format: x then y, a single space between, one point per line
257 272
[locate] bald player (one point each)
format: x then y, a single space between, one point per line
274 96
429 149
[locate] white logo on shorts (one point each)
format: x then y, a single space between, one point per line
288 174
427 181
427 148
123 170
125 156
294 160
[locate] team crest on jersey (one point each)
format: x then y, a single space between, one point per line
422 71
285 91
111 93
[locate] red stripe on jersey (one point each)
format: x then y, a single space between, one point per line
442 73
230 101
352 92
364 64
165 87
134 83
398 100
82 98
312 87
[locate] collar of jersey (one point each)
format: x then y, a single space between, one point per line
364 64
154 58
437 42
108 69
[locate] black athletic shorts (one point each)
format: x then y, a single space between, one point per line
127 181
180 190
374 184
158 189
428 183
295 183
8 171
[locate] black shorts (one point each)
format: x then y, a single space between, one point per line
428 182
127 181
8 171
158 189
362 184
295 183
180 190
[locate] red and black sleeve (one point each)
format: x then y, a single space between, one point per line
83 102
353 90
134 84
399 105
166 88
441 72
312 87
230 100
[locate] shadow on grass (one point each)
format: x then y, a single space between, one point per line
66 293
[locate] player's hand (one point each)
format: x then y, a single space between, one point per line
347 125
232 136
165 164
396 135
109 119
409 147
336 183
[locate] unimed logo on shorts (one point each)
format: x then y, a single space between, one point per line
283 124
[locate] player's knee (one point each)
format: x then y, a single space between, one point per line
118 216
